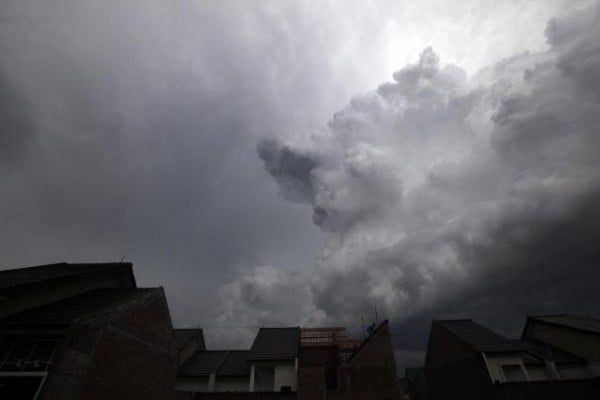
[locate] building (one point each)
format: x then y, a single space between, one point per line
270 365
84 331
555 358
296 363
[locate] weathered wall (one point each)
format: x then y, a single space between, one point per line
128 355
453 370
311 383
374 368
285 375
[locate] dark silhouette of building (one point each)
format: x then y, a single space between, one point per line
296 363
555 358
84 331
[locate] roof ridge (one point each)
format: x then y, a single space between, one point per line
112 263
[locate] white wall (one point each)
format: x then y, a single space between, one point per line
495 362
285 375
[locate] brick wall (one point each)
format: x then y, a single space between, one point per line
128 354
453 370
373 369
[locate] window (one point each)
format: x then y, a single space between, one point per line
24 362
26 355
286 388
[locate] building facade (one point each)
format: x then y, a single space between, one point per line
296 363
555 358
84 331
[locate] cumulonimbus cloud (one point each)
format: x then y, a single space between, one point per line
439 191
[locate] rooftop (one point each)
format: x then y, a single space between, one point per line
275 344
218 362
571 321
14 278
479 337
69 310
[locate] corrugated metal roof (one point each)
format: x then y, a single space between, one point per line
218 362
479 337
571 321
184 336
67 311
275 344
12 278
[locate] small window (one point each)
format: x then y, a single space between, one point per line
286 388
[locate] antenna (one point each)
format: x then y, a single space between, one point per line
376 316
122 258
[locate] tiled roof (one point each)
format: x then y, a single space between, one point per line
203 363
571 321
184 336
67 311
275 344
479 337
13 278
218 362
235 364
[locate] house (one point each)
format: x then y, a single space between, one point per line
556 358
270 365
296 363
84 331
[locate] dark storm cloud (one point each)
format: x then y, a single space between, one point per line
17 127
138 130
290 169
465 198
135 133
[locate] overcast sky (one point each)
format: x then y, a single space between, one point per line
284 163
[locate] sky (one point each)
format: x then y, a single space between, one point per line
305 163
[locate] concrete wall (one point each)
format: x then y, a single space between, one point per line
285 375
453 370
371 372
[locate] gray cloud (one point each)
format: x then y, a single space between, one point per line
17 128
444 196
133 130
